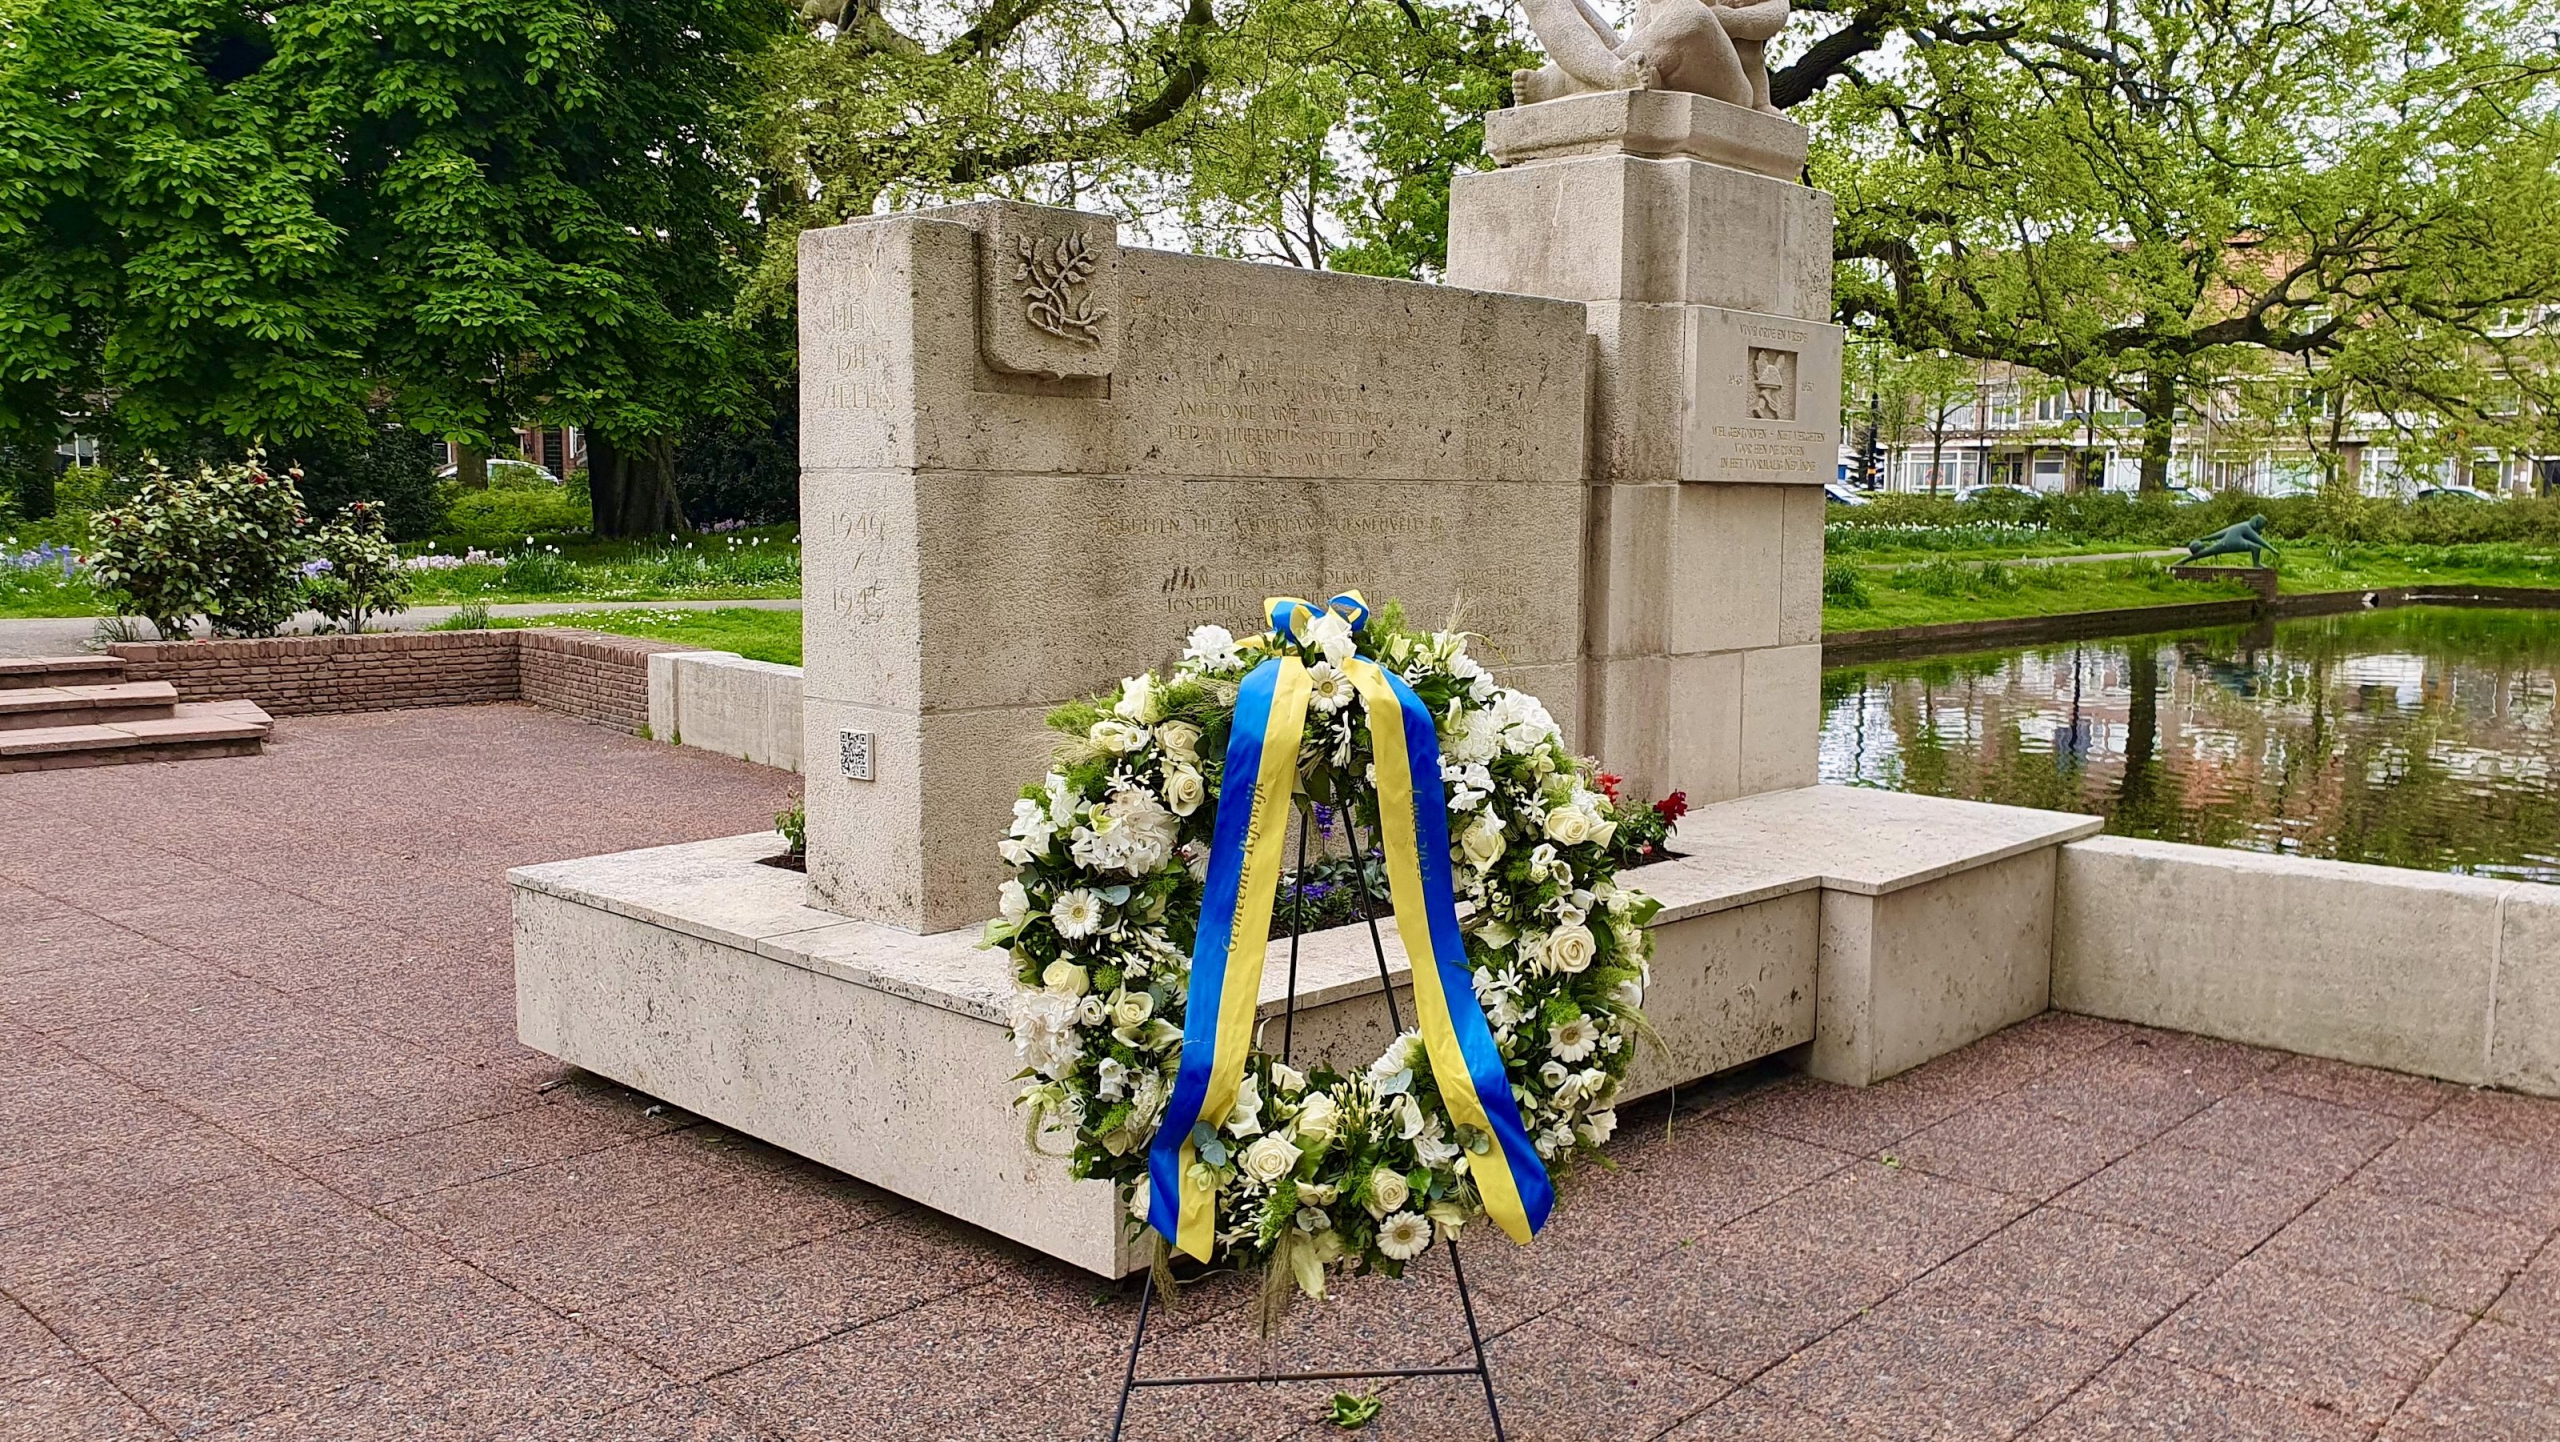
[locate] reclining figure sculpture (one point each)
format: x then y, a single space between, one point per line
1705 49
2240 540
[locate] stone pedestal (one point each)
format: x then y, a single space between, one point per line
1705 273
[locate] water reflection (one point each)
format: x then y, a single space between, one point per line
2418 737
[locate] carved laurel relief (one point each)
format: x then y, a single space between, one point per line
1058 269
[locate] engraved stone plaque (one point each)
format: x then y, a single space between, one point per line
1049 291
1764 399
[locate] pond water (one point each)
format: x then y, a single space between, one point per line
2424 736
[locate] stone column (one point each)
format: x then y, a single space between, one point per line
1705 269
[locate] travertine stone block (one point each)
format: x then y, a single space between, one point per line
1259 431
1628 594
1630 696
1781 718
1704 722
2376 965
1916 973
1800 566
2524 1046
1729 555
1658 123
1623 228
1639 391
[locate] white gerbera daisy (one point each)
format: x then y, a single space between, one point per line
1332 689
1077 914
1575 1039
1403 1236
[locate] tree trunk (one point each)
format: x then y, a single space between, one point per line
2159 426
633 489
471 468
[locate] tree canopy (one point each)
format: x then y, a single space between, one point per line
262 221
2151 196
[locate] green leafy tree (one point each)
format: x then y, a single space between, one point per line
2148 196
252 221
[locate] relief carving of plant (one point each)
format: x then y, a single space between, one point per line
1058 269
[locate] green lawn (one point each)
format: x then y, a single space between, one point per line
755 634
1947 590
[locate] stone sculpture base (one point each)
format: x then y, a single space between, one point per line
2261 579
1884 929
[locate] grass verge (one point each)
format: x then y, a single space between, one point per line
758 635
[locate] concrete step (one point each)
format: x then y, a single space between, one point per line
192 729
16 671
25 708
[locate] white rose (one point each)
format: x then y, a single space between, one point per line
1387 1191
1183 790
1066 978
1013 903
1570 949
1289 1079
1482 842
1118 737
1138 700
1330 632
1130 1008
1213 646
1180 740
1568 827
1269 1159
1317 1119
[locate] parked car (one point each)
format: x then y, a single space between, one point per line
1841 493
503 472
2450 493
1970 494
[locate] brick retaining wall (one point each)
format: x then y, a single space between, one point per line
587 674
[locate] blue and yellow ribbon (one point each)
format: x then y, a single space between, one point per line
1235 926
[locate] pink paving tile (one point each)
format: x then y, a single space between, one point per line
678 1414
592 1263
72 1406
2143 1399
2497 1382
111 989
1734 1305
1893 1220
1557 1380
2207 1062
2391 1093
2109 1088
923 1372
742 1313
553 1381
2291 1130
2532 1300
2474 1170
2103 1278
28 1348
2330 1344
1910 1371
2008 1144
2218 1201
253 1204
1662 1191
2399 1244
480 1150
335 1330
1850 1119
1748 1414
113 1178
2532 1123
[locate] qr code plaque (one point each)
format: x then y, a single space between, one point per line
857 755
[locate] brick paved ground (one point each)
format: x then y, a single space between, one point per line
272 1166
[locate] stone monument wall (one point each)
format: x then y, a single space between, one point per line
1033 460
1705 269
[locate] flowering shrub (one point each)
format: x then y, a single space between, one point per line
225 543
358 572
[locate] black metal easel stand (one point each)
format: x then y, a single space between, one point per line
1481 1371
